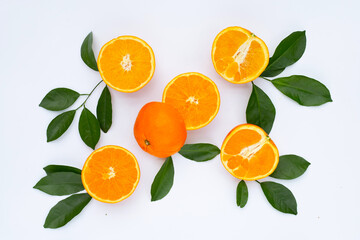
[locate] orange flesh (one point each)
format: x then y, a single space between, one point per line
248 153
195 96
238 55
110 174
126 63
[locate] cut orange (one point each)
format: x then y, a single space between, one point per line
248 153
195 96
238 55
110 174
126 63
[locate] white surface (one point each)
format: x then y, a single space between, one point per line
40 45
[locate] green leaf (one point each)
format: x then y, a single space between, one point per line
60 183
104 110
66 209
61 168
59 99
87 53
304 90
280 197
59 125
89 128
287 53
260 110
290 167
163 180
241 194
199 152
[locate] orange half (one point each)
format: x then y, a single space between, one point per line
110 174
126 63
238 55
195 96
248 153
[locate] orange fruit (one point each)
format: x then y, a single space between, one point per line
248 153
110 174
195 96
160 129
126 63
238 55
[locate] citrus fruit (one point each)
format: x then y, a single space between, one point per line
110 174
195 96
248 153
126 63
238 55
160 129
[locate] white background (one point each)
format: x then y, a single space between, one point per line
40 50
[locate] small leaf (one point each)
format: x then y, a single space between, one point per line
290 167
66 209
89 128
199 152
163 180
87 53
280 197
260 110
241 194
287 53
60 183
304 90
59 99
61 168
59 125
104 110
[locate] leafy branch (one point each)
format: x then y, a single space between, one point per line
59 181
60 99
304 90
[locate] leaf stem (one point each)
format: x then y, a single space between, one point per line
266 79
88 95
84 94
258 182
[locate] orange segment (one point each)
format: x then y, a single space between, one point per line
248 153
195 96
238 55
126 63
110 174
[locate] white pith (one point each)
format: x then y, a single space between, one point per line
126 63
192 100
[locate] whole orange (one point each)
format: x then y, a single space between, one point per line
160 129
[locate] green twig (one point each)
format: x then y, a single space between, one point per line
258 182
265 78
88 95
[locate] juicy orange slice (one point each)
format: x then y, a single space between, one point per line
126 63
110 174
238 55
248 153
195 96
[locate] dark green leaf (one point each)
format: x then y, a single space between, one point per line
104 110
304 90
163 180
89 128
260 110
60 183
66 209
61 168
290 167
287 53
59 125
87 53
199 152
280 197
241 194
59 99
